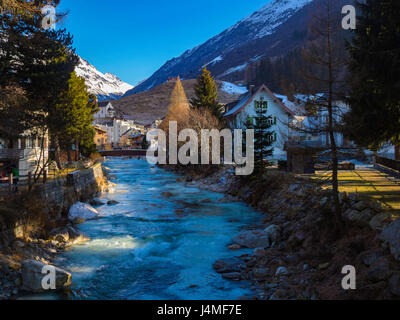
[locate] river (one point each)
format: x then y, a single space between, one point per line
158 242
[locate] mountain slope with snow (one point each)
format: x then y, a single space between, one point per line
104 86
267 32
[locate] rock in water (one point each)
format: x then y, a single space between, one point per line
252 239
273 232
96 202
112 203
32 277
228 265
80 212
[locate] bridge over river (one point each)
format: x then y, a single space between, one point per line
123 153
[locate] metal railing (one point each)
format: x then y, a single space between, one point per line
11 154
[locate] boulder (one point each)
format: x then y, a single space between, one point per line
260 273
259 252
32 277
112 203
228 265
80 212
379 271
391 238
231 276
371 257
252 239
379 221
59 235
281 271
96 202
361 205
356 216
273 232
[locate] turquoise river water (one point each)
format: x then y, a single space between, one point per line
159 242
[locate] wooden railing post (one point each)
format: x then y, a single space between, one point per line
29 181
11 182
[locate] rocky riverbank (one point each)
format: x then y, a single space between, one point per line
297 252
35 228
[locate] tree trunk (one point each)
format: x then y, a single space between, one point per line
333 147
397 151
57 151
78 157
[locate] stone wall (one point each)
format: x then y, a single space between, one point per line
47 206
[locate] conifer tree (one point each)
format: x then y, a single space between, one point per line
75 116
264 137
375 75
206 94
178 109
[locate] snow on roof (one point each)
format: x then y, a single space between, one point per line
246 99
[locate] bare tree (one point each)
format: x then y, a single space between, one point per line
325 55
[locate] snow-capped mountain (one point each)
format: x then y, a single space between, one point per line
105 86
267 32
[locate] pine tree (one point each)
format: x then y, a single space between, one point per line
375 75
206 94
75 116
264 137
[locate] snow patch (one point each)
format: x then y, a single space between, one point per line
233 88
105 86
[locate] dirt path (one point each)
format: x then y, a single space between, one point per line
370 182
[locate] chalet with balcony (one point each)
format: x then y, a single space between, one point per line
24 153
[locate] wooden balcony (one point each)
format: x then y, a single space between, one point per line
11 154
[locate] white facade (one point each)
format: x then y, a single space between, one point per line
281 117
106 111
26 154
117 128
320 121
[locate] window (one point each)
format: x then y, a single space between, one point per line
261 106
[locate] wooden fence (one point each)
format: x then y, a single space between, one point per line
389 163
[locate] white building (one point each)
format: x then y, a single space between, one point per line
115 129
106 111
24 153
239 112
290 122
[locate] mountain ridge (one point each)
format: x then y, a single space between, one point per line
105 86
223 54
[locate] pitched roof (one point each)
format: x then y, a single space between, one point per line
103 104
247 98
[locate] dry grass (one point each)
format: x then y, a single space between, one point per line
150 105
370 183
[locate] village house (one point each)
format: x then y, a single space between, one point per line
100 138
23 155
106 111
291 122
238 112
132 139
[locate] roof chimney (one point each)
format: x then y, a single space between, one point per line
251 89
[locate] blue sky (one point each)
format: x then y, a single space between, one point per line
132 38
